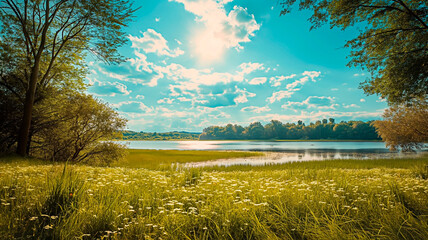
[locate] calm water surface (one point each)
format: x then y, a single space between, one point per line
277 152
258 145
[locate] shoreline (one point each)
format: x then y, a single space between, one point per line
252 140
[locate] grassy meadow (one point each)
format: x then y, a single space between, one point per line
337 199
164 159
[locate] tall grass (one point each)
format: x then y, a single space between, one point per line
330 200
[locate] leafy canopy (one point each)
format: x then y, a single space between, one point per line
38 39
405 127
393 46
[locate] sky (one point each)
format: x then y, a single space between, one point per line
198 63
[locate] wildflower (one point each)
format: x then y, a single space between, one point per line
48 227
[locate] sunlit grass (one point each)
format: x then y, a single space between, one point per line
340 199
161 159
399 163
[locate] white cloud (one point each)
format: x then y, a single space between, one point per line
151 71
311 74
276 81
334 89
139 97
277 96
243 95
222 30
165 100
195 77
351 106
257 80
132 107
362 100
154 42
381 99
255 109
312 102
292 87
250 67
107 88
157 19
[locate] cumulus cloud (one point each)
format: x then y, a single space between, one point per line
362 100
108 88
312 102
247 68
165 100
180 73
276 81
243 95
258 81
132 107
228 97
154 42
148 73
255 109
351 106
293 87
278 96
222 29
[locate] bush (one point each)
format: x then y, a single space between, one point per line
78 126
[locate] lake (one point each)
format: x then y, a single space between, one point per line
280 146
277 151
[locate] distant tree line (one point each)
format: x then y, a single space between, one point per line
175 135
322 129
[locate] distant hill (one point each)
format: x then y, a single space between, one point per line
174 135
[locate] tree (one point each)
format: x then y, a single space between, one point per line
42 34
77 126
393 47
404 127
255 131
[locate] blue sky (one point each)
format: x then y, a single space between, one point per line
197 63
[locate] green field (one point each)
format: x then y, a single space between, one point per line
161 159
340 199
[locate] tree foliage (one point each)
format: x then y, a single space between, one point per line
40 37
75 127
353 130
393 46
405 127
156 136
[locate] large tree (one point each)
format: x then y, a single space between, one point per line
392 45
38 35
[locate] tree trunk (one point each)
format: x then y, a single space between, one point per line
24 131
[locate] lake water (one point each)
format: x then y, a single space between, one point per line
372 147
277 152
